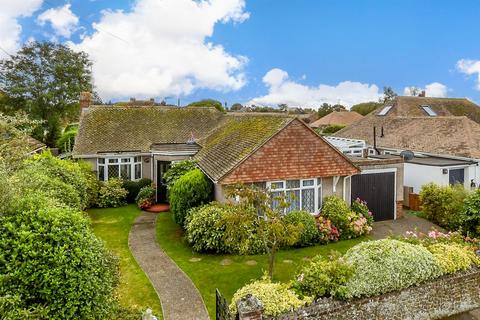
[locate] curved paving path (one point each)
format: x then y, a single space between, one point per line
179 297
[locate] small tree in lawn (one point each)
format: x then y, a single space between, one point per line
274 231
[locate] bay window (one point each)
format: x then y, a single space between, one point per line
126 168
305 194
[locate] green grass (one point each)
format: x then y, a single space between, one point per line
209 274
419 214
112 226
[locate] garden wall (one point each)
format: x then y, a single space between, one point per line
432 300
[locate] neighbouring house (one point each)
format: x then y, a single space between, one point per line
276 151
439 138
35 146
340 118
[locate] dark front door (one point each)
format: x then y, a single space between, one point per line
162 167
456 176
378 190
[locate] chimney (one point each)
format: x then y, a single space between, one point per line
422 94
85 100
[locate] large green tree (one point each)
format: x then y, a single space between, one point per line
45 79
208 103
365 108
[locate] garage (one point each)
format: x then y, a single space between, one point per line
378 189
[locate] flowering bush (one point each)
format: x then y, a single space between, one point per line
276 298
146 197
327 232
309 234
323 277
471 213
359 206
451 257
386 265
111 194
358 226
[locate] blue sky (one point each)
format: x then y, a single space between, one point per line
302 52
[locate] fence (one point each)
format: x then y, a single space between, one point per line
221 308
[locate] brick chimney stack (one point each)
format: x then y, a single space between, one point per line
85 100
422 94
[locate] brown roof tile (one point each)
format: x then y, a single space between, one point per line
343 118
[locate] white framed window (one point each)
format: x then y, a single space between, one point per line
302 194
127 168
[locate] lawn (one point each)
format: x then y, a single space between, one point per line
112 226
230 272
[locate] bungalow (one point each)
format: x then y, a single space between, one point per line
439 138
340 118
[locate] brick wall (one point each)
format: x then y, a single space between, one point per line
294 153
435 299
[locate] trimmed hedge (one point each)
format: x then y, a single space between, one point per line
386 265
134 187
190 190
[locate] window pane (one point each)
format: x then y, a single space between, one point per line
125 160
112 160
276 203
320 200
319 181
101 160
113 171
308 200
277 185
101 173
126 171
293 197
293 184
260 185
138 159
138 171
308 183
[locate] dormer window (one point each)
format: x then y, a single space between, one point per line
429 111
385 110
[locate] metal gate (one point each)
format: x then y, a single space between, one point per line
378 190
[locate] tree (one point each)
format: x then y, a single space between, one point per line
45 80
338 107
366 107
236 107
274 231
414 91
208 103
388 94
325 109
282 107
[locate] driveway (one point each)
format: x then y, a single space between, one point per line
383 229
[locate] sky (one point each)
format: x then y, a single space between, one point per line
263 52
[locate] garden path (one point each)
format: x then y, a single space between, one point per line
178 295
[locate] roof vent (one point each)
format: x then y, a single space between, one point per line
385 110
429 111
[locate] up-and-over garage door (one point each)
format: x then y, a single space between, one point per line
378 190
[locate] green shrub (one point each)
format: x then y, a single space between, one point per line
133 188
190 190
332 129
360 207
31 180
276 298
323 277
66 171
444 204
386 265
54 263
111 194
67 140
309 235
451 257
177 170
471 214
146 197
93 185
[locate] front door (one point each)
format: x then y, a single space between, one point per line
162 167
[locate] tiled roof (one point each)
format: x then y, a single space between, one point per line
117 129
344 118
235 139
34 144
175 147
457 136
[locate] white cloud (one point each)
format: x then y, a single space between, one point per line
10 29
434 89
161 48
470 67
282 90
64 22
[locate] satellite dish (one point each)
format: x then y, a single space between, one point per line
407 155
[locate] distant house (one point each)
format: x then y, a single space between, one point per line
443 135
273 150
341 118
35 146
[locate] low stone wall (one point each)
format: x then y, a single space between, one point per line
434 299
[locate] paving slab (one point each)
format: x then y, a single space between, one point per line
383 229
178 295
